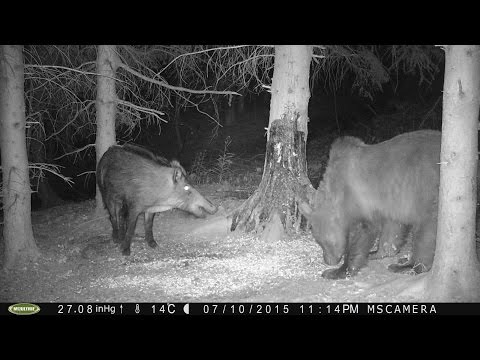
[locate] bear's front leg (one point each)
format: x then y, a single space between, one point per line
356 255
334 274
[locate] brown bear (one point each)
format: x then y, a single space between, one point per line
378 190
361 237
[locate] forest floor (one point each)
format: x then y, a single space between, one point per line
197 260
194 262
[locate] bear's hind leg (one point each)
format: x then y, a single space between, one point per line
423 250
402 266
392 237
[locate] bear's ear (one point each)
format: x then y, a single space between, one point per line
305 209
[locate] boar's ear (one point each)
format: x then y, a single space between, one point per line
175 163
305 209
177 174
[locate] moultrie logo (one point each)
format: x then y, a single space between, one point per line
24 309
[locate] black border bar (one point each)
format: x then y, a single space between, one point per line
238 309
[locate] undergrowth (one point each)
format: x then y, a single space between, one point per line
224 167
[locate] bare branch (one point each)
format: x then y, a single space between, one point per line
53 169
75 151
203 51
152 112
91 172
176 88
83 72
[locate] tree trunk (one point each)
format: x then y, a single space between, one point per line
273 206
455 273
107 63
17 230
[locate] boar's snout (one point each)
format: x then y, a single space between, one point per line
210 208
201 210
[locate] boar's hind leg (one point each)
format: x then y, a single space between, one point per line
131 217
115 210
121 218
148 218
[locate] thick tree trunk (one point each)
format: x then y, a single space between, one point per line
274 203
455 273
107 63
17 229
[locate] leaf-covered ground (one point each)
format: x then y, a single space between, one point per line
194 262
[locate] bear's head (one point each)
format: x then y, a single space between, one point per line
328 228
